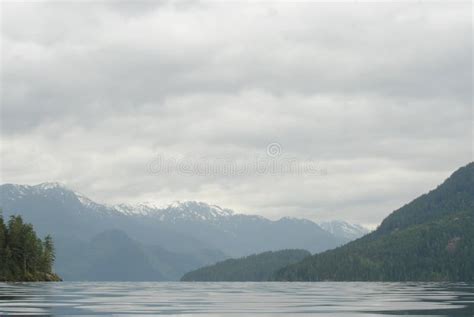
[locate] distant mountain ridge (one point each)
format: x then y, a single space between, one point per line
429 239
176 211
204 233
190 210
252 268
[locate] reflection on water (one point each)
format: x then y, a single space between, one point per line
218 299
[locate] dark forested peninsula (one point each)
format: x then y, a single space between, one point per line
24 256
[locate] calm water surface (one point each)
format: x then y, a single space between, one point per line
219 299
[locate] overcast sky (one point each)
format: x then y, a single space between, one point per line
377 97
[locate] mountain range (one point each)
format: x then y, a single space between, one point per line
146 242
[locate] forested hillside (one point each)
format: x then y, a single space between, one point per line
257 267
430 239
24 256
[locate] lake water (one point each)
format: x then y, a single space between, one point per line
250 299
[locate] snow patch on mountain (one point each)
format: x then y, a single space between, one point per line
141 209
195 211
174 213
50 186
344 229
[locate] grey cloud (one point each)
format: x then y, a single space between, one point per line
146 65
380 95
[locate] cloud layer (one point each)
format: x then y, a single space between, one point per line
377 95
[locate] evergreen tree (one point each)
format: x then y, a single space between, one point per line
48 254
24 256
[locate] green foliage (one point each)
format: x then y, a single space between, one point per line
257 267
23 256
455 194
430 239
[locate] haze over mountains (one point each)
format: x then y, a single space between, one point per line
145 242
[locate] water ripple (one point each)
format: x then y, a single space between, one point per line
218 299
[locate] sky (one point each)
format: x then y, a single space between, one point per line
305 109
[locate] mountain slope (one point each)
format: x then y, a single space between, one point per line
113 256
455 194
431 238
257 267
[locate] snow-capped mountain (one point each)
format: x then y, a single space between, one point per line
187 212
344 229
177 211
13 190
196 230
177 214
